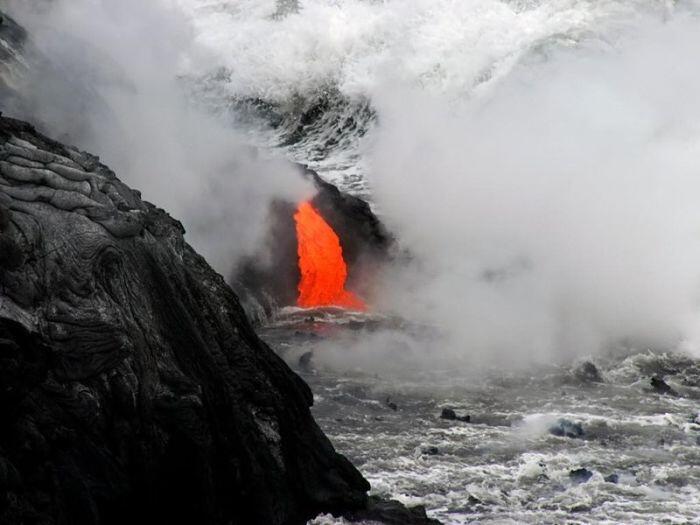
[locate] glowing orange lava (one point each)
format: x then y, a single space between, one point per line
323 270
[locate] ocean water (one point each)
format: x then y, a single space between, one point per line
538 162
505 465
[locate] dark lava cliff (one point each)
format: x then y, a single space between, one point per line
132 386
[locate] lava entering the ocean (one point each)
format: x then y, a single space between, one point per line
321 264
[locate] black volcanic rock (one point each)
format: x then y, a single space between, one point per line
305 362
359 229
612 478
133 388
390 404
451 415
580 475
390 512
662 387
565 428
587 372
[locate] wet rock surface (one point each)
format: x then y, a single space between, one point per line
390 512
451 415
133 387
612 478
580 475
587 372
661 387
566 428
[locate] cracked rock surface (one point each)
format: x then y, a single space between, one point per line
132 386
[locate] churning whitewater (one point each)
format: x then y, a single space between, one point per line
538 164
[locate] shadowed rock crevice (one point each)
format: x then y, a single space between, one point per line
133 385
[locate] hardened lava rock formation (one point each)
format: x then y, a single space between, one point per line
132 387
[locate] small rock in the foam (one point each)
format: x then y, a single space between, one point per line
580 475
566 428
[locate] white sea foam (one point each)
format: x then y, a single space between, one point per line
447 46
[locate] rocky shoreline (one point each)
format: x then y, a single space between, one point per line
134 384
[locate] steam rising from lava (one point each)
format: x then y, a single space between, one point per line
112 85
321 264
559 213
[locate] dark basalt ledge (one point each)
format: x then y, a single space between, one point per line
391 512
132 387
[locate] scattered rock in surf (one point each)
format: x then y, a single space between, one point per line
673 480
430 451
390 512
587 372
612 478
661 387
472 500
391 404
305 361
580 475
451 415
566 428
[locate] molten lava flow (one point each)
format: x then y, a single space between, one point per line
323 270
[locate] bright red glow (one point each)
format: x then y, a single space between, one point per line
323 270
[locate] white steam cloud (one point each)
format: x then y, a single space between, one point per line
112 86
546 184
559 213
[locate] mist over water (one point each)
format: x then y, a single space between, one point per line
557 214
536 160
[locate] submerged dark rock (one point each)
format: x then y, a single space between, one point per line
305 362
390 512
662 387
587 372
451 415
566 428
612 478
430 451
133 386
580 475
